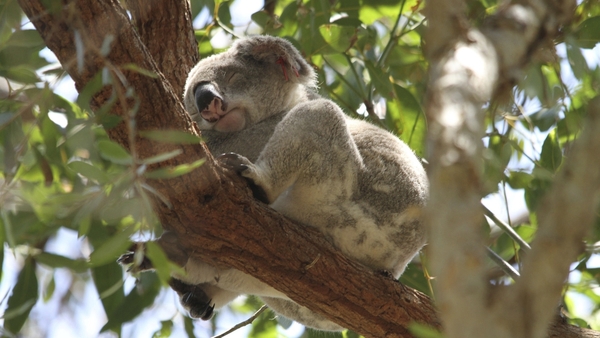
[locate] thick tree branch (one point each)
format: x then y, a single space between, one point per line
462 77
165 28
216 220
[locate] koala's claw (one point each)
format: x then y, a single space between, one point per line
235 162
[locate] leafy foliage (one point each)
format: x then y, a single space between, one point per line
61 174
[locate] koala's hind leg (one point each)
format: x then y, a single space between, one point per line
311 150
301 314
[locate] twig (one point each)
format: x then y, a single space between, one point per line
244 323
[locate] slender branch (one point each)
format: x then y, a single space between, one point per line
244 323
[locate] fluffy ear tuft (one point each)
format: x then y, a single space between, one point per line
278 51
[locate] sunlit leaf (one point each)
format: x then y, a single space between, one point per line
424 331
171 172
49 290
588 33
166 327
111 249
114 152
171 136
159 260
339 37
138 69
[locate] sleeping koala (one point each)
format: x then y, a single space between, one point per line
356 183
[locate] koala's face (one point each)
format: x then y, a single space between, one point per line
256 78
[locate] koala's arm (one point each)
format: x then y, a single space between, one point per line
310 144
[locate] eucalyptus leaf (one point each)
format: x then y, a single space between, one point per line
171 136
24 295
170 172
113 152
111 249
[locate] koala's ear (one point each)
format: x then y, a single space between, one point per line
281 53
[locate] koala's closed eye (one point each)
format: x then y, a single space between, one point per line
233 77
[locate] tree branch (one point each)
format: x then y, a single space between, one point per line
165 28
235 230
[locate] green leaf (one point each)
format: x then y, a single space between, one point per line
49 291
135 68
159 260
171 136
588 33
23 298
26 38
162 157
519 179
166 327
109 284
424 331
135 302
188 324
113 152
111 249
405 116
171 172
545 118
551 156
340 38
20 73
577 61
89 171
380 80
58 261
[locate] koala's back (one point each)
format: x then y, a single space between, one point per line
362 189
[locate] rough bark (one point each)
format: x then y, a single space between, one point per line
468 67
213 214
165 28
234 230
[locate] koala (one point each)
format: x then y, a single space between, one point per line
358 184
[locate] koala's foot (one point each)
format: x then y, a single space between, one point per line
193 299
246 169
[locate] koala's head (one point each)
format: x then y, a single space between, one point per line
256 78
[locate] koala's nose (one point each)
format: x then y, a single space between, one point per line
205 93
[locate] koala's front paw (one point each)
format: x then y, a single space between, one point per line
244 167
193 299
237 163
129 258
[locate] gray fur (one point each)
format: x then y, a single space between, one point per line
355 182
